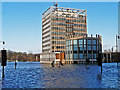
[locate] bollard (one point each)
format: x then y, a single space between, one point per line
3 61
99 61
15 64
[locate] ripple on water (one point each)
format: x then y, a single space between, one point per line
36 75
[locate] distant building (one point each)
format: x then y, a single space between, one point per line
58 23
110 57
78 49
37 57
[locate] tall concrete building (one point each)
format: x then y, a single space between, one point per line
58 24
119 26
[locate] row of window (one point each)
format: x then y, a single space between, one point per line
59 28
58 23
75 20
80 25
80 34
80 47
79 29
68 34
68 15
60 19
69 30
58 47
63 28
58 42
82 41
58 33
63 19
58 37
64 33
57 51
68 25
82 56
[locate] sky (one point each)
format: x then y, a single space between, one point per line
22 23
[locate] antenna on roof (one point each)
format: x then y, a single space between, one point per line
55 4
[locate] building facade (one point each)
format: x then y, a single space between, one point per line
59 23
79 49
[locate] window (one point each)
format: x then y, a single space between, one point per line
75 48
84 41
70 56
94 56
67 49
69 42
75 56
75 42
66 43
84 47
94 47
80 56
89 55
94 42
89 47
80 41
89 41
97 42
81 47
71 48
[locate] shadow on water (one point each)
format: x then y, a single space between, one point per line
36 75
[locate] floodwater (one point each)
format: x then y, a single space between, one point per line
36 75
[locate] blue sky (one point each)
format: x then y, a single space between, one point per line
22 23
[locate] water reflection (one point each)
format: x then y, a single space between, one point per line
36 75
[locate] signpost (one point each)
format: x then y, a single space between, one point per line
3 59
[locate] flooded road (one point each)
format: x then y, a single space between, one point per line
36 75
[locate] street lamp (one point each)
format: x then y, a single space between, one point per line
2 42
117 37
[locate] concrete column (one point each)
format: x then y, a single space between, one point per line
110 57
107 56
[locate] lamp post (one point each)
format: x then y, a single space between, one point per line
117 37
15 62
2 42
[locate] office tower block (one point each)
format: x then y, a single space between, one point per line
58 24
